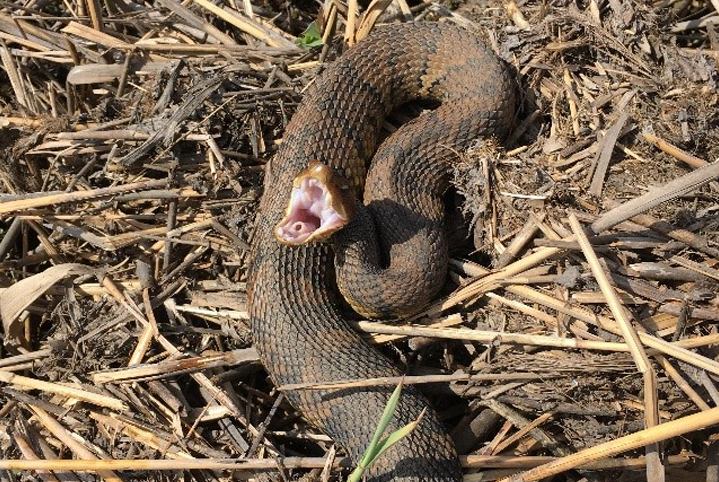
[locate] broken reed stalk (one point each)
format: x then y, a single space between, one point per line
64 390
681 383
166 368
671 190
683 236
25 357
659 433
143 434
627 210
615 305
449 321
527 232
678 349
68 438
600 166
673 150
246 24
51 199
467 461
651 405
675 349
412 380
488 336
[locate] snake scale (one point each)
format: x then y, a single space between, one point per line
299 319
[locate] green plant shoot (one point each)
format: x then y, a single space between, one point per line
379 445
311 37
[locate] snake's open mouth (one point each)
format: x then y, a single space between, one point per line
318 207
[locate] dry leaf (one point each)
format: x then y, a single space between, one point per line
15 299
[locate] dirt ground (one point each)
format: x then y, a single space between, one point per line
133 140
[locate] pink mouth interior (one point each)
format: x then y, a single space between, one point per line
311 214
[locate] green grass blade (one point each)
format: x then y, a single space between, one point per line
396 436
384 421
356 475
373 449
379 445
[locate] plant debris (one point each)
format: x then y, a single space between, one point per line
577 335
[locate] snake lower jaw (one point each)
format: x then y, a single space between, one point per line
320 205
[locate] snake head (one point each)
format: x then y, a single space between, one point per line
321 204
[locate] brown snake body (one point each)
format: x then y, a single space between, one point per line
299 320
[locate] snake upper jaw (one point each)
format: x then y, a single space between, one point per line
321 203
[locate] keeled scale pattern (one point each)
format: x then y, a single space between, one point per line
297 321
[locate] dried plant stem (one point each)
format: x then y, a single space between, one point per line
410 380
70 441
671 190
468 461
489 336
64 390
615 305
673 150
50 199
652 435
681 383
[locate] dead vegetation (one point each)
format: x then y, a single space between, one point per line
579 328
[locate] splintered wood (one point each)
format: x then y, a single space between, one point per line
576 337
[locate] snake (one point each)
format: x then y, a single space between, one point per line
334 242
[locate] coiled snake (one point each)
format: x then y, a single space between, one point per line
299 321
